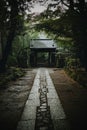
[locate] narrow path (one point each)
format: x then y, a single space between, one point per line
43 109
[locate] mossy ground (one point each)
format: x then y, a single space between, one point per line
80 75
11 74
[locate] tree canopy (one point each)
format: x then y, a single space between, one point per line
12 14
66 18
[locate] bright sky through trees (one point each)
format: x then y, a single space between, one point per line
38 7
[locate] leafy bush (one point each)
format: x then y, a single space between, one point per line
12 61
72 63
77 75
12 74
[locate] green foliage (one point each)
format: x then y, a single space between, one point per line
15 73
77 75
71 23
12 60
11 74
12 23
74 69
22 58
72 63
19 55
59 26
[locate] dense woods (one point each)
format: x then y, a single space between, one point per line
68 22
11 25
43 50
60 19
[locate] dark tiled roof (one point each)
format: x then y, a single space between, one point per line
42 43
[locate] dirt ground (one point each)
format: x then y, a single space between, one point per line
73 98
13 99
72 95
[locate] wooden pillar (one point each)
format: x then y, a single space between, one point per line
49 58
53 60
35 58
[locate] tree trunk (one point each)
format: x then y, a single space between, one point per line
7 50
11 34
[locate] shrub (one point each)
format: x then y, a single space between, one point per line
72 63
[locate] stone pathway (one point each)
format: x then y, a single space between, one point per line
43 109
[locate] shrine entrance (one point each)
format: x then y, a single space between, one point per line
42 53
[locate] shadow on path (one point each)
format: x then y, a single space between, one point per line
73 99
13 99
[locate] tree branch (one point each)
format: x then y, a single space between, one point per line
64 3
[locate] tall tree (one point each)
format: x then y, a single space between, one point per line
11 12
73 20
